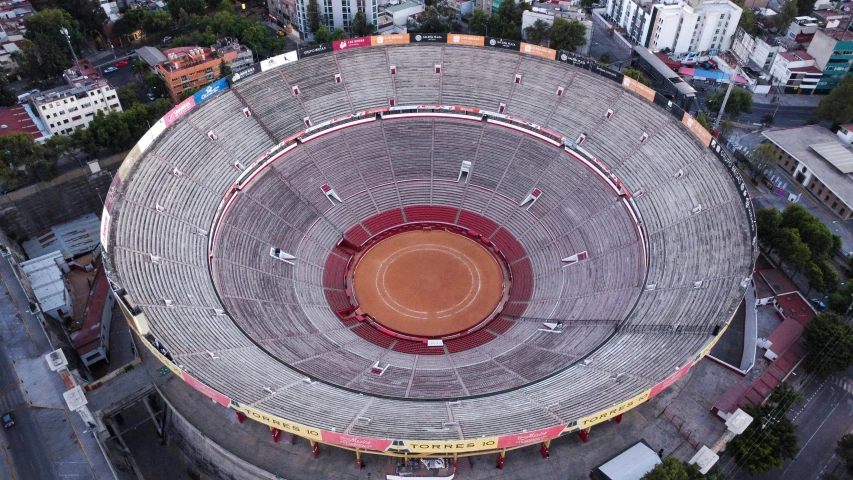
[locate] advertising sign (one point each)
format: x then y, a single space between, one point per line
697 129
669 381
278 60
639 88
538 51
449 446
503 43
179 111
536 436
283 425
312 50
350 43
350 441
210 90
390 39
612 412
574 59
246 72
460 39
428 37
606 72
209 392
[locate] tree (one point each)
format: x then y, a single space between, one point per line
360 27
786 15
127 95
844 450
60 146
605 58
339 34
740 101
814 275
771 437
768 221
156 21
88 13
726 127
637 75
673 469
567 34
805 8
140 68
747 22
478 24
814 233
44 53
828 342
432 22
314 18
225 6
830 277
7 95
837 107
21 158
703 120
768 119
538 32
191 7
322 35
762 158
224 69
792 249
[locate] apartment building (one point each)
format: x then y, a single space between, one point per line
336 14
684 27
187 69
832 49
13 16
65 109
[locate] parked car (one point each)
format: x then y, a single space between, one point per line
167 40
122 63
280 33
819 304
8 422
110 70
151 96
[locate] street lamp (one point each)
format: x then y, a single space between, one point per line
64 31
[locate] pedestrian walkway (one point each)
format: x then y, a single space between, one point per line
787 99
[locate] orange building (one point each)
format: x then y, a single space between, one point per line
190 68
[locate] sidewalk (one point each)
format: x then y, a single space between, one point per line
787 99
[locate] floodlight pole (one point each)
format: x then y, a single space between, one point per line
64 32
732 80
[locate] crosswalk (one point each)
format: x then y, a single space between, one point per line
12 396
844 384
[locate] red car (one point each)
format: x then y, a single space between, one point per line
122 63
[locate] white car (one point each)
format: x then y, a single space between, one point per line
151 96
109 70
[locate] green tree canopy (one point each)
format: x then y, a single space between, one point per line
322 35
768 221
538 32
828 341
191 7
762 158
793 250
673 469
479 22
703 120
88 13
637 75
224 69
7 95
740 101
567 34
127 95
786 15
748 22
837 107
431 21
339 34
44 53
314 16
771 437
360 26
21 158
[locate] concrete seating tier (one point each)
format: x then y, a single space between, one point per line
411 167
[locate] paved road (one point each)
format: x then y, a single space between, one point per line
22 442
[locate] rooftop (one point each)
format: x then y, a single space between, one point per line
88 337
809 69
151 55
838 34
71 239
185 57
796 56
46 279
797 142
80 87
16 119
403 6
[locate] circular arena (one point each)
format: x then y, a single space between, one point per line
421 247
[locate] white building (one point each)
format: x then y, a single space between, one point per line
44 274
685 27
795 72
65 109
336 14
401 12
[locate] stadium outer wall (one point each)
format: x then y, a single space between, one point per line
402 447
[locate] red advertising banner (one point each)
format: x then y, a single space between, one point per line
669 381
182 109
209 392
538 51
390 39
362 443
535 436
697 128
351 43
